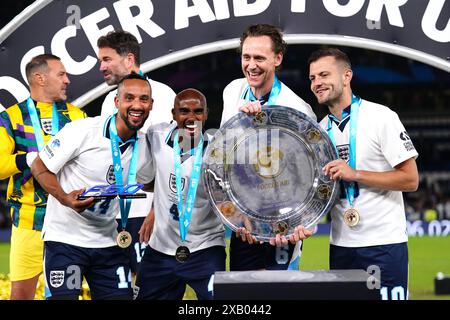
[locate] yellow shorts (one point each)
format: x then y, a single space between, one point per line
26 254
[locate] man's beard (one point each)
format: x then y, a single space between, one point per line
115 79
129 125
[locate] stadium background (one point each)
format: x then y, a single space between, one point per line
419 93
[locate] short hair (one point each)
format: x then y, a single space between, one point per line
259 30
187 94
339 55
39 62
122 42
132 75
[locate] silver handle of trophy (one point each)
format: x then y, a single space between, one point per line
222 184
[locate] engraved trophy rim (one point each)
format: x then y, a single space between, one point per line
256 179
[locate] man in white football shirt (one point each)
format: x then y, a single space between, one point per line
377 162
119 54
187 245
80 235
262 49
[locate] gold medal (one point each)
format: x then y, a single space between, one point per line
351 217
124 239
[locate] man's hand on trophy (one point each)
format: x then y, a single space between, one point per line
339 169
300 233
71 200
246 236
251 108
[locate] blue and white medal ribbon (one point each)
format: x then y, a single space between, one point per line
248 94
125 204
186 213
37 126
351 216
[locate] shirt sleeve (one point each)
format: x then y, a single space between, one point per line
395 142
231 101
308 110
108 106
63 147
8 166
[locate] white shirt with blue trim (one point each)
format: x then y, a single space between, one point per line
163 97
381 144
206 229
233 100
80 156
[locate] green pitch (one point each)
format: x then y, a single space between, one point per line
427 257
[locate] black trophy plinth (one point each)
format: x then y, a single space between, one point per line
294 285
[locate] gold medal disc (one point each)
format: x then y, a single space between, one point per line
351 217
123 239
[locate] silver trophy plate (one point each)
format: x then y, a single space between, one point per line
264 172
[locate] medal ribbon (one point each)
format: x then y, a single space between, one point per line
274 92
37 126
125 204
185 215
354 109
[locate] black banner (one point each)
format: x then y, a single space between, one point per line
170 31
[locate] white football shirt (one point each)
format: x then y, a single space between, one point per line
163 97
80 156
381 144
233 100
206 229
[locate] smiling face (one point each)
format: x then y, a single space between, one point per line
114 66
190 112
134 102
259 62
55 81
330 81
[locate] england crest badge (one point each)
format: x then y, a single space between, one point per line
173 183
56 278
46 124
110 177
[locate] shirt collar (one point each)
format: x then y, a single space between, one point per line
106 133
123 146
345 115
262 100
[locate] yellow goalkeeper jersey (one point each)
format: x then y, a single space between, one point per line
26 198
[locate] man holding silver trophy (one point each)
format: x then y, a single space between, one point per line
262 50
377 162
